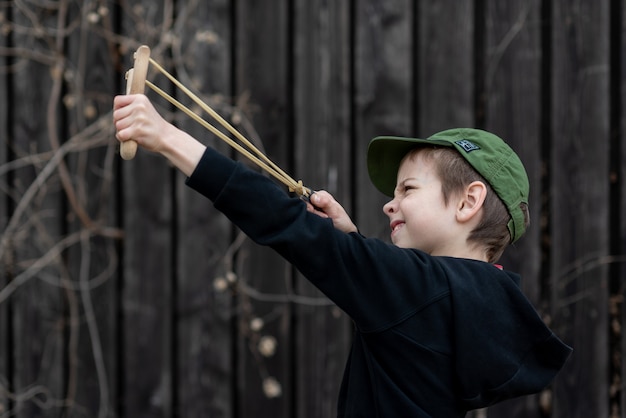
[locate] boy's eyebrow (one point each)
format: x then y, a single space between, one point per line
407 179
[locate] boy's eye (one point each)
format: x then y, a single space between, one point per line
405 187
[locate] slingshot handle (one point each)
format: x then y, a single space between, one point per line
136 84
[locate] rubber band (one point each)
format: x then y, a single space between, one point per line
252 152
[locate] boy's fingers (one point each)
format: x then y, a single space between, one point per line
321 199
122 100
316 199
122 135
314 209
328 204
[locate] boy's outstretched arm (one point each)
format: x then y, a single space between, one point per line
327 207
136 118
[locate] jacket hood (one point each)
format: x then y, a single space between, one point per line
521 358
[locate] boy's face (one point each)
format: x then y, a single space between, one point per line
418 216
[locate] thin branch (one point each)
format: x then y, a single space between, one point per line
92 324
36 185
53 255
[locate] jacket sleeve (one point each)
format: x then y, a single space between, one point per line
367 278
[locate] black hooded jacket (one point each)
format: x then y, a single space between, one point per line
434 336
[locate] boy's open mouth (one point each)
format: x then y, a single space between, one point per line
395 226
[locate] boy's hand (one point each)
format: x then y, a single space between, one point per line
328 207
136 118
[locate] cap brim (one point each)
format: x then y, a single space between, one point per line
384 155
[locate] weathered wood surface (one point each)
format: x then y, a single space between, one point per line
580 190
37 307
512 81
321 92
91 336
204 342
177 316
618 220
148 289
263 87
5 209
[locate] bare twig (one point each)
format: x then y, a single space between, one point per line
36 186
92 324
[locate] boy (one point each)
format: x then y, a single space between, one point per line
439 329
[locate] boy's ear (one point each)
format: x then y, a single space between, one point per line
471 201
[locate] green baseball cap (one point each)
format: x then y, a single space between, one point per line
487 153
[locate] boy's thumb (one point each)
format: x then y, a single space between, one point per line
316 198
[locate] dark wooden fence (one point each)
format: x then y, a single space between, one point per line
124 294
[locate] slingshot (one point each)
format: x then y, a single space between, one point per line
137 81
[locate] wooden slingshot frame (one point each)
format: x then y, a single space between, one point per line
136 81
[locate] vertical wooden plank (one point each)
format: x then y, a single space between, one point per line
513 96
92 327
580 199
618 220
383 96
37 305
512 81
147 271
445 65
204 343
322 98
6 349
262 88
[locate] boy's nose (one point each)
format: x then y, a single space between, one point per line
390 207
